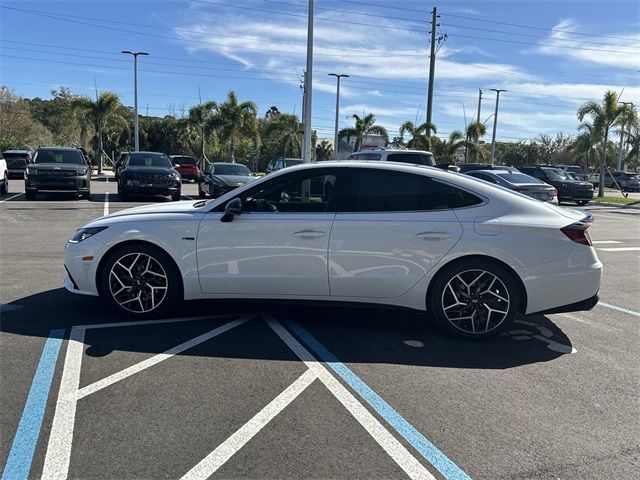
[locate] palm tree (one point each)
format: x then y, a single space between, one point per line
363 127
583 144
445 150
420 135
104 110
604 116
200 118
233 121
288 129
473 132
324 151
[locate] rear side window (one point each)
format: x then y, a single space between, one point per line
369 156
409 157
387 191
454 197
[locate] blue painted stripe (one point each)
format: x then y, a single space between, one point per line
620 309
428 450
24 443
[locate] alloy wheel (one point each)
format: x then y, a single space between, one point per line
138 282
475 301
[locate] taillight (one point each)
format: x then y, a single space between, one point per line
578 233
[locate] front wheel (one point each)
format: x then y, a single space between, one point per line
475 299
4 188
140 281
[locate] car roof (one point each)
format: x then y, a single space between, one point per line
60 148
391 150
16 151
179 155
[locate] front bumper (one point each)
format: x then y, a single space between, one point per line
81 273
151 190
57 184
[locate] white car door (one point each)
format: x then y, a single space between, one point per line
278 246
393 229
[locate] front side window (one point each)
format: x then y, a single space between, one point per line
309 192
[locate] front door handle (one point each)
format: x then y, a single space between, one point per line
433 236
309 234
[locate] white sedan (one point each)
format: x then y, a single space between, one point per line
470 253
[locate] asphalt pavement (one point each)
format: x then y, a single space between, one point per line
250 390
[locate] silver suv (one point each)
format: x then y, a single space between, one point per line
417 157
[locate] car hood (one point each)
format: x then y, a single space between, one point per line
235 179
148 170
157 208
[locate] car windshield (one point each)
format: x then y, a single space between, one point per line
15 156
148 160
517 177
230 169
555 175
184 160
410 157
291 163
73 157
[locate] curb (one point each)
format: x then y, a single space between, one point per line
617 205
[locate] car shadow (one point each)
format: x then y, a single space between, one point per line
354 334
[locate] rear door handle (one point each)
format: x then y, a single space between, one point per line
433 236
309 234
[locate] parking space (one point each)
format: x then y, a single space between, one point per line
293 391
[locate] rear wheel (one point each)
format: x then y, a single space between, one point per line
140 281
475 299
4 188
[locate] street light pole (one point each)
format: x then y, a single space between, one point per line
335 137
135 95
495 124
306 154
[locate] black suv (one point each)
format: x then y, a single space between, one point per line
568 189
57 169
148 173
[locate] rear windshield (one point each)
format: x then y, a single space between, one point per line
555 175
231 169
517 177
410 157
73 157
15 156
149 160
183 161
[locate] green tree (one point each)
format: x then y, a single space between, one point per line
234 121
18 128
102 112
286 130
420 135
604 117
363 126
446 151
200 117
583 144
473 150
324 151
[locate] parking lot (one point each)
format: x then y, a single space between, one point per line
229 390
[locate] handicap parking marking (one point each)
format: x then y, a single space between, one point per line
24 443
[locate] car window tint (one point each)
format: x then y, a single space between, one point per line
369 156
298 193
454 197
518 178
59 156
387 191
148 160
409 157
184 161
483 176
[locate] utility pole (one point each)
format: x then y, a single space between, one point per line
432 63
479 104
495 124
303 88
619 164
335 137
135 94
306 154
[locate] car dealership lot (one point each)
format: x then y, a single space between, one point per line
555 397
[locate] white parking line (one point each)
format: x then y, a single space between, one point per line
9 198
105 211
212 462
620 249
602 242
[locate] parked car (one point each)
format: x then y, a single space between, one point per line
470 167
280 163
627 182
17 161
57 170
518 182
119 165
4 175
470 254
186 166
568 189
149 173
417 157
222 177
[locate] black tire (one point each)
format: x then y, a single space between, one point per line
124 196
30 195
176 196
201 193
442 296
125 254
4 188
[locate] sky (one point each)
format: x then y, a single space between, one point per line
550 56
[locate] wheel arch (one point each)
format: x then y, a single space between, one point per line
127 243
520 284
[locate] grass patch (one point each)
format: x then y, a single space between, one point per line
620 200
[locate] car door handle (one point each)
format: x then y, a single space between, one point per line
433 236
309 234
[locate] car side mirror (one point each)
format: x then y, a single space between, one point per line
233 208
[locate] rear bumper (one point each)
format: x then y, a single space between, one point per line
580 306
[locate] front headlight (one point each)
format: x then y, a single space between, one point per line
32 170
82 172
84 233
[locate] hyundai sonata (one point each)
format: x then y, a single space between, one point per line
470 253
